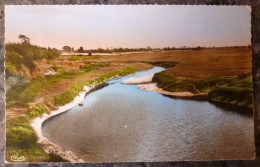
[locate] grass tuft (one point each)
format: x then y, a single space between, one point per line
35 112
165 64
90 67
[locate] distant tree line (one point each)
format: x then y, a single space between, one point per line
101 50
116 50
201 47
18 54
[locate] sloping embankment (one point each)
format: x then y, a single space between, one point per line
47 145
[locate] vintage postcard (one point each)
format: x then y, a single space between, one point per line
88 83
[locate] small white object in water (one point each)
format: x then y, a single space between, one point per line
125 126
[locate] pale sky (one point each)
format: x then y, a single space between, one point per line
133 26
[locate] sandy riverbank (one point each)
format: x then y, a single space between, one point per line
137 81
152 87
48 146
145 83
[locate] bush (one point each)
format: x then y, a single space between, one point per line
19 133
21 140
70 94
14 58
18 54
58 70
35 112
90 67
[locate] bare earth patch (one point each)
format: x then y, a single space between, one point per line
13 112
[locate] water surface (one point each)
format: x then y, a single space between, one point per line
123 123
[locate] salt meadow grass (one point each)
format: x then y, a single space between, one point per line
236 90
73 91
232 89
165 64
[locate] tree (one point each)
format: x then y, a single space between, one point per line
66 48
24 39
80 49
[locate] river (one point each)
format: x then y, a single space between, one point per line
123 123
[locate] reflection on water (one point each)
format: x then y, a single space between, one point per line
123 123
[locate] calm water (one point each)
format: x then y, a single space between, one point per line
123 123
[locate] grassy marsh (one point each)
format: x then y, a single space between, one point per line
235 89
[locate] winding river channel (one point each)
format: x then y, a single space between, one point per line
123 123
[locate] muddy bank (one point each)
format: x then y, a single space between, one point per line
97 87
242 109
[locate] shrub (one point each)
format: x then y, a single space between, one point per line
35 112
19 133
19 54
21 140
90 67
58 70
13 58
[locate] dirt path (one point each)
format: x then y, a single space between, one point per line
13 112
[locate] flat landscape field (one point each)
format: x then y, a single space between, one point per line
197 64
